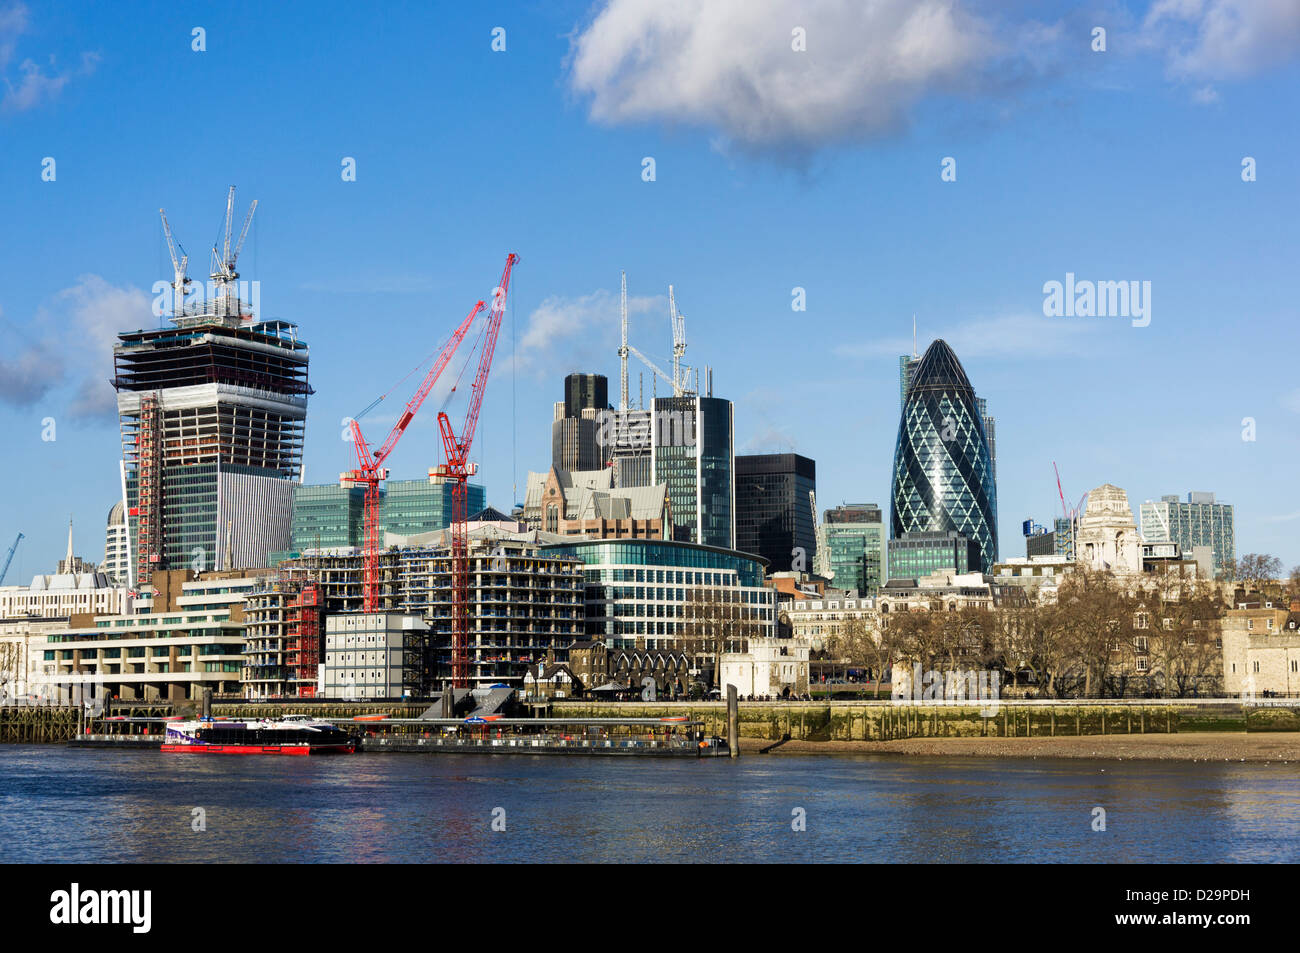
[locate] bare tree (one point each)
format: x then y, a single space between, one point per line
716 621
1258 569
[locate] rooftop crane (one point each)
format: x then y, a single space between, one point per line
623 348
679 342
181 284
10 558
223 260
458 469
371 471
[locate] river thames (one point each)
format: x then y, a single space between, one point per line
87 806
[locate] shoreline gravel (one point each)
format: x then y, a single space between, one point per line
1270 747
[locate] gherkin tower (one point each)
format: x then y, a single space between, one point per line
943 471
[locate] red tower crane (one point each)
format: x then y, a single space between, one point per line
371 472
458 469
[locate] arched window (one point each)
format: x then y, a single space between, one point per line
552 519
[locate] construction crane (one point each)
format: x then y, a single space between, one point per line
679 343
10 558
623 348
370 471
223 260
181 284
459 469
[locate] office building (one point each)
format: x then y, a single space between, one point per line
189 637
775 517
1058 541
1198 521
332 516
630 434
694 454
660 595
913 555
575 443
851 548
906 368
212 412
943 473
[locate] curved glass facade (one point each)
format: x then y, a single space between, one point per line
943 471
639 592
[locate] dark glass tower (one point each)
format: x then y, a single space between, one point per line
943 471
774 508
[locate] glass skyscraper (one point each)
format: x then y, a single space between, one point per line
774 509
943 470
694 454
1200 521
851 547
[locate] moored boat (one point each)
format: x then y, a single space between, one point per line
292 735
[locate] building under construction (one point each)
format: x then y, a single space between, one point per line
523 603
282 642
212 414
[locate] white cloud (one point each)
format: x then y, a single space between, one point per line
566 334
1016 335
33 84
70 343
729 65
1223 39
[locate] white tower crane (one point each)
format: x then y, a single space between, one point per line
223 260
679 344
623 349
181 284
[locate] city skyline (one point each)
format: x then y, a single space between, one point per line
734 221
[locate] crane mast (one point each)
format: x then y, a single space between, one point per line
370 471
622 348
458 469
181 283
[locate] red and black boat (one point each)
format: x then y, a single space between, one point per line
292 735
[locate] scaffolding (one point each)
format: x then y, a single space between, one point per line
148 511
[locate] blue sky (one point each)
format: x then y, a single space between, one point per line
775 169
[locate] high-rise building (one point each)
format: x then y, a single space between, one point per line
575 431
851 548
774 509
332 516
1200 521
916 555
212 414
943 472
694 454
907 365
630 434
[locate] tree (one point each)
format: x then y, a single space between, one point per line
1257 569
715 621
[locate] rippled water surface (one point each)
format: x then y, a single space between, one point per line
73 805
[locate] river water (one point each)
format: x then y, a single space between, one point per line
83 806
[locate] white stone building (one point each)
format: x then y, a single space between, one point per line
771 667
1107 537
